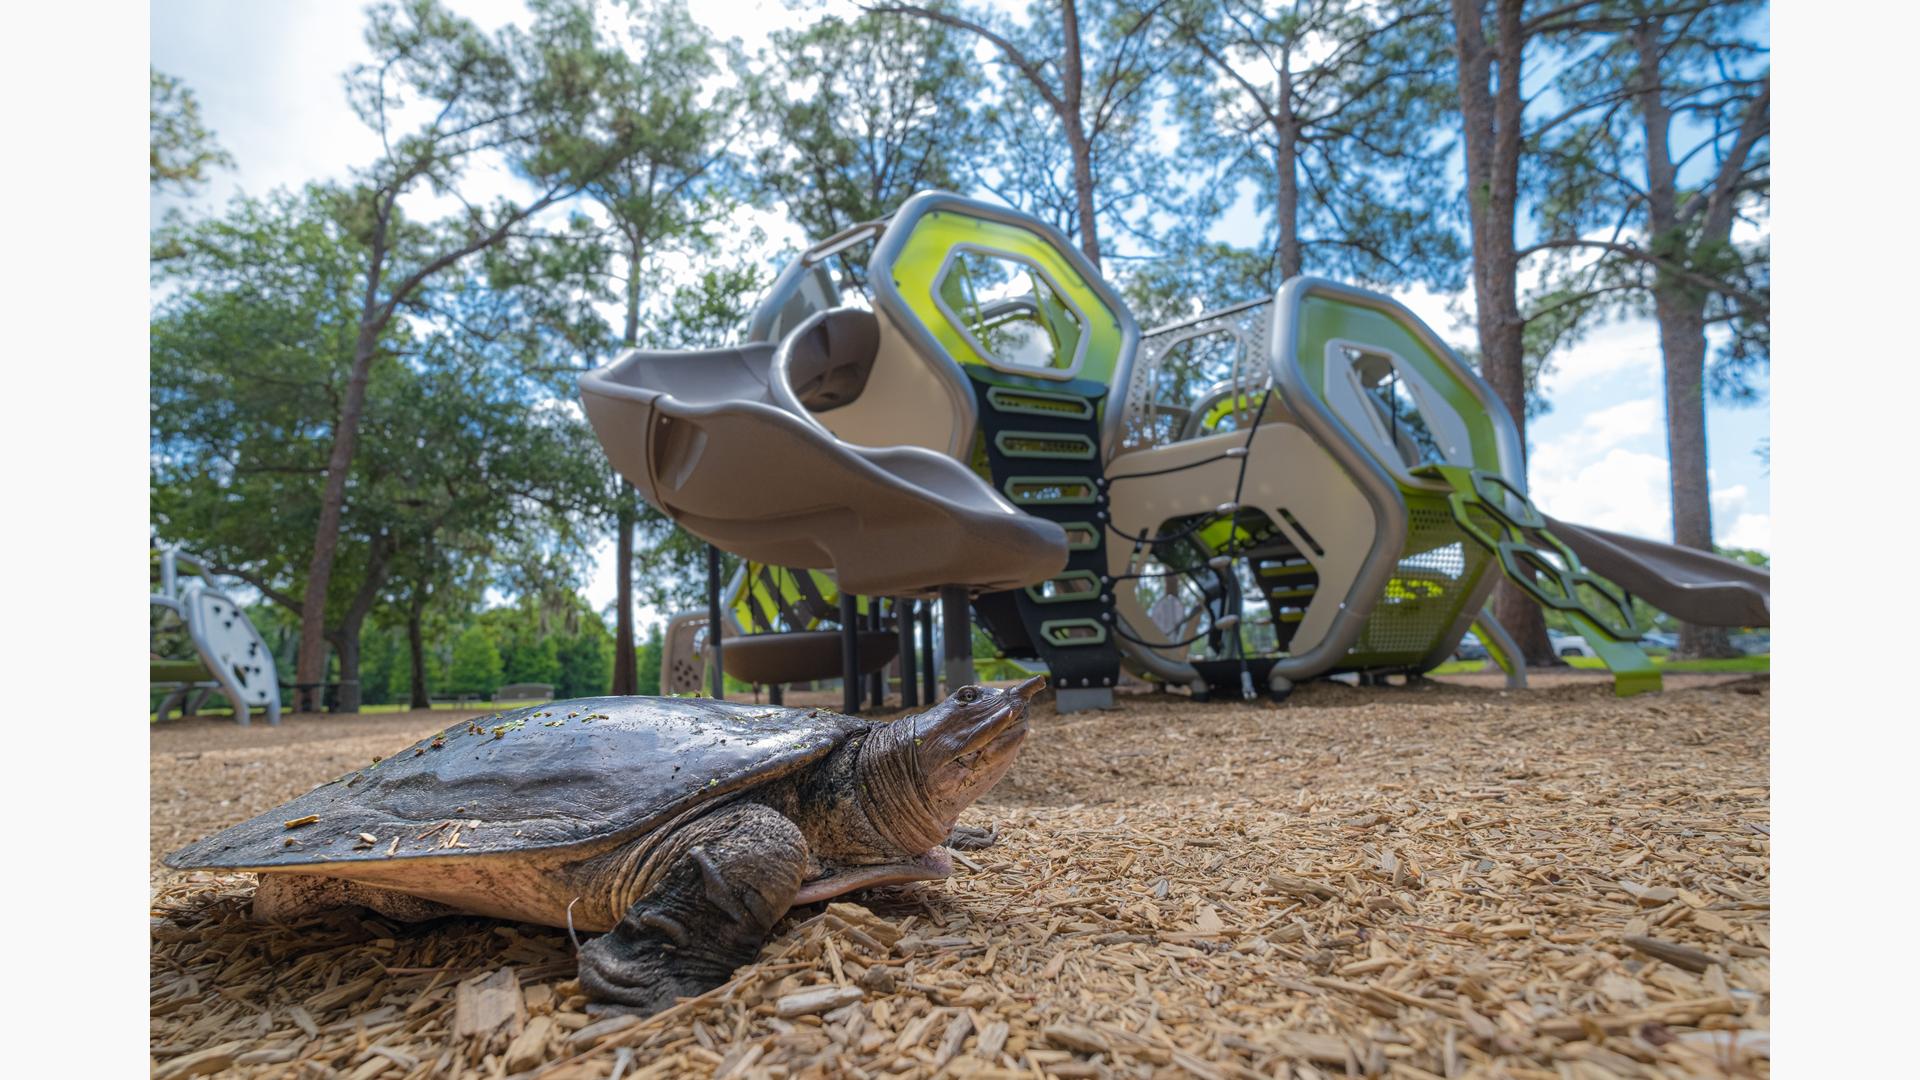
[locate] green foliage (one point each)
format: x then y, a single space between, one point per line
180 149
1746 555
586 662
1193 278
1609 238
383 666
1025 154
871 111
245 363
647 662
463 457
476 663
536 661
1331 115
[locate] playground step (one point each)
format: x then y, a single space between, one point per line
1042 452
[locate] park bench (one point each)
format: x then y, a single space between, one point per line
524 692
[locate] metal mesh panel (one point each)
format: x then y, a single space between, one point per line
1438 568
1155 424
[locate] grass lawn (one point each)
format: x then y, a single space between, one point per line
1759 664
391 707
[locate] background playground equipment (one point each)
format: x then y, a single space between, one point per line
231 658
773 620
1273 491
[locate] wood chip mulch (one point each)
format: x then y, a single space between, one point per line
1434 881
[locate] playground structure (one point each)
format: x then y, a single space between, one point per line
231 658
1279 490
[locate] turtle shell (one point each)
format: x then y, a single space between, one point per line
551 776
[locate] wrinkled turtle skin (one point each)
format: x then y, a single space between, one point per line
682 828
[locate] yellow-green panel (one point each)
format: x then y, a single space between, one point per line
754 587
916 271
1324 319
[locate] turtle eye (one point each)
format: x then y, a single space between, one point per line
967 695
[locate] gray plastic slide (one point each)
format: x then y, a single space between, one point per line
726 443
1694 586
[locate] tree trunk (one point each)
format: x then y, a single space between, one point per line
626 675
1286 202
310 665
1680 310
418 696
1076 131
1490 118
1683 344
346 636
625 668
346 646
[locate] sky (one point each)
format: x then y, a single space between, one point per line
268 74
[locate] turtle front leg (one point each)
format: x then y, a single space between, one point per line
735 875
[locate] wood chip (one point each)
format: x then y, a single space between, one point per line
1076 1037
817 1000
958 1028
1289 885
1680 956
529 1047
488 1003
598 1030
200 1062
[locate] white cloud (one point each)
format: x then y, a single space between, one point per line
1749 531
1621 490
1727 500
1617 423
1589 478
1629 346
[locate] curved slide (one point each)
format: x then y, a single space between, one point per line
726 442
1694 586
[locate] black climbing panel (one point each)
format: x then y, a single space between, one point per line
1041 446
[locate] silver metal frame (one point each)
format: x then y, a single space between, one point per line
887 299
1056 374
1373 477
760 326
1156 343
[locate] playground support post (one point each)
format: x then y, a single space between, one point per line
903 608
929 683
956 626
718 671
849 655
877 682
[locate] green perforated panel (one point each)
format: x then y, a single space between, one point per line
1436 574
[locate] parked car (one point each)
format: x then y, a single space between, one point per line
1660 639
1570 644
1470 648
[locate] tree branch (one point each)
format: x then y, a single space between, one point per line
1007 48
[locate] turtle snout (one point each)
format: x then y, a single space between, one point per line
1009 718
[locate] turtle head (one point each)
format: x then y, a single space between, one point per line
921 771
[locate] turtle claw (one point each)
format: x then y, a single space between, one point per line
706 916
972 838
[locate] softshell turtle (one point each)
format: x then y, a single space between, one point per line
683 827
